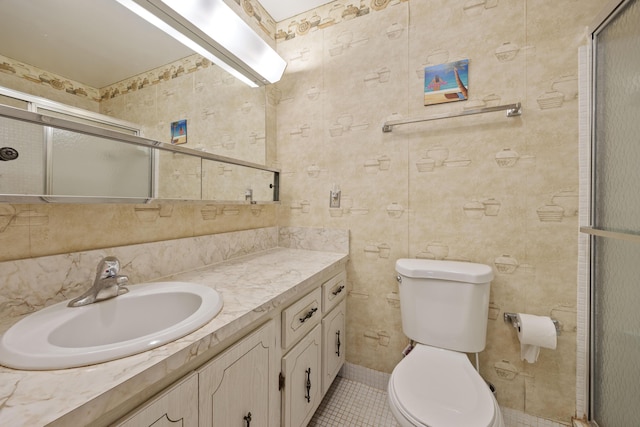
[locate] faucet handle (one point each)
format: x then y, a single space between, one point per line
108 267
121 281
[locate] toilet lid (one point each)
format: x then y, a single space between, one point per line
440 388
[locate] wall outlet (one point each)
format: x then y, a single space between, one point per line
334 199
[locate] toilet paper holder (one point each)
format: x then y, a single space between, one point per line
513 319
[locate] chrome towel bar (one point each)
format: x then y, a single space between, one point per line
513 110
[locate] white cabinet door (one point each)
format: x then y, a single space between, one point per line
239 388
303 380
333 339
177 406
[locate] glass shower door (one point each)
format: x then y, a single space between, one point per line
615 278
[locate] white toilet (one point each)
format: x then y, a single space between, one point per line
444 306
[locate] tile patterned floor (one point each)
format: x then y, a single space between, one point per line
352 404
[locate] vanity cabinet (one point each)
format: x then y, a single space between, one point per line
240 386
275 375
334 308
302 363
177 406
315 324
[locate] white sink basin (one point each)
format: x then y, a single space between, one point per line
146 317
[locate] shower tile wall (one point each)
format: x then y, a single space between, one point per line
485 188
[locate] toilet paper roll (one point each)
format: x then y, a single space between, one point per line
535 332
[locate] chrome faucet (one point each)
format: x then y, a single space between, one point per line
107 284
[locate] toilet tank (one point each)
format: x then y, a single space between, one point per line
445 303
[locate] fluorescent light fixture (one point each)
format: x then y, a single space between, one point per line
212 29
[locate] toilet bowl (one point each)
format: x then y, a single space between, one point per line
435 387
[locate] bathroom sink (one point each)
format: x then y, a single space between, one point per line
146 317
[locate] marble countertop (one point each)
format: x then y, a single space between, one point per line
251 287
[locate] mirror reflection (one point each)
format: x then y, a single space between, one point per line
52 158
85 165
223 116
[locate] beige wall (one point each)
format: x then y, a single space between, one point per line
47 229
349 70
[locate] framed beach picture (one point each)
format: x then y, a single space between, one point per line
179 132
446 82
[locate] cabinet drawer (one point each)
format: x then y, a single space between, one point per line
300 318
333 291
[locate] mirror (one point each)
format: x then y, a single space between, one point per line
95 159
224 117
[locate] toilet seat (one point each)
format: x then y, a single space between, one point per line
440 388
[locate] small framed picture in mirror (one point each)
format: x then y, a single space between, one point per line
179 132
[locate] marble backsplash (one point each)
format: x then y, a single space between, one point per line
31 284
314 239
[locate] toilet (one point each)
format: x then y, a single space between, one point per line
444 307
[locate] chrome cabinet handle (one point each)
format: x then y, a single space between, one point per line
337 291
338 343
308 315
247 418
308 395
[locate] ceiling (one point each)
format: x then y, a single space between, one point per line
98 42
283 9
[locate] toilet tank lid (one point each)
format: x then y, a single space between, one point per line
445 270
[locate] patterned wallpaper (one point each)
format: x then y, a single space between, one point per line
156 76
328 15
256 16
484 188
40 77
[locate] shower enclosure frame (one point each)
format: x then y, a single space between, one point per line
608 14
39 105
